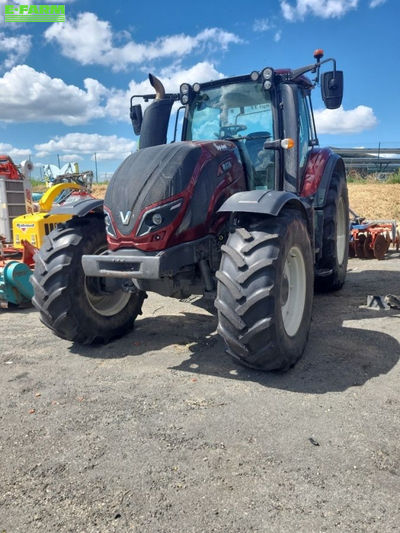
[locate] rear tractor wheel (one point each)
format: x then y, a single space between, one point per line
335 237
265 291
76 307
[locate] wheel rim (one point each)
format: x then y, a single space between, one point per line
293 291
341 232
102 302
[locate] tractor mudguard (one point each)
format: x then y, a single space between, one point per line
80 208
264 202
322 191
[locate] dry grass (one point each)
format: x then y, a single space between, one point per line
99 190
375 200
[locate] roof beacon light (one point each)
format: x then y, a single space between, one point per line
319 54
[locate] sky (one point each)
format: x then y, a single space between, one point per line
65 87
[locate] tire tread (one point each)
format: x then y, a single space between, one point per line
246 291
57 297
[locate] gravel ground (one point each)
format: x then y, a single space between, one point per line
161 432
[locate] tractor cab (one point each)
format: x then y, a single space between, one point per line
241 111
267 114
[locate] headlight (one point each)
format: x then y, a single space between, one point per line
267 73
185 91
159 217
185 88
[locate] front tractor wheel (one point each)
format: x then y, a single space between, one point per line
265 291
76 307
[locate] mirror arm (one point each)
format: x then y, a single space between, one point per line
314 68
318 66
147 97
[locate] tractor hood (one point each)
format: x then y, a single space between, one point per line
168 194
148 176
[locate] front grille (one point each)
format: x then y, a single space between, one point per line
120 266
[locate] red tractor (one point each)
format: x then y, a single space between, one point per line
246 206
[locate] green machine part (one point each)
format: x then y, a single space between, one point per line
15 285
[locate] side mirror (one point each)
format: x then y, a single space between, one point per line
136 118
332 88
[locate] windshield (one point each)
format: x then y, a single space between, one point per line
241 112
233 110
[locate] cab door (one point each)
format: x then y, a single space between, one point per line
299 126
307 135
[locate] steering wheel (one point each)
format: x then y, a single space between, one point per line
231 129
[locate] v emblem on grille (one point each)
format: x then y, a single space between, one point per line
125 218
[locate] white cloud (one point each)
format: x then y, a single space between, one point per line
268 24
90 41
319 8
16 49
262 25
71 158
339 121
173 76
30 96
376 3
117 105
105 146
15 153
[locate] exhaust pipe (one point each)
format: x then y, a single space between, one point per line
156 117
158 87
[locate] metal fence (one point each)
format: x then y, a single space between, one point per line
370 160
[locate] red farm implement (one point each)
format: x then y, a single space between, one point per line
372 239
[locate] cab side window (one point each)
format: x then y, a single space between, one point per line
305 135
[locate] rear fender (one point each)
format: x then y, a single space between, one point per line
80 208
334 166
334 169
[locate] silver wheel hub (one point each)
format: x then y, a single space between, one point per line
341 232
102 301
293 291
